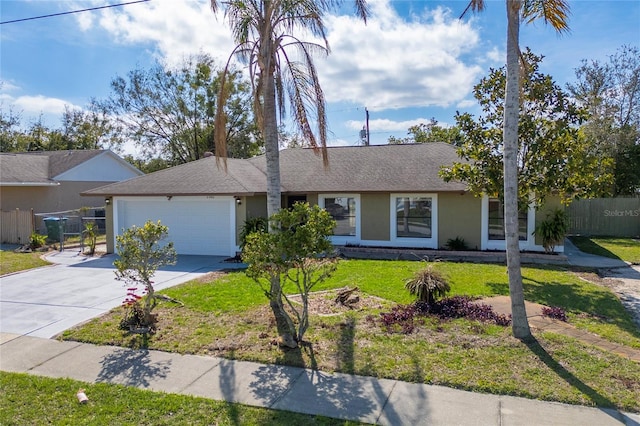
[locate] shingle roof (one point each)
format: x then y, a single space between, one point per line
201 177
62 161
388 168
41 167
24 169
379 168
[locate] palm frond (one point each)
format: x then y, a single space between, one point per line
552 12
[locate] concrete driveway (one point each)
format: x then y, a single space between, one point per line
44 302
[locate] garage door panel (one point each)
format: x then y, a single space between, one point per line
202 227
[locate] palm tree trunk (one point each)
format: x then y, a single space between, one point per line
284 324
510 155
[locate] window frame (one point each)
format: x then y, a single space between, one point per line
428 242
344 239
487 244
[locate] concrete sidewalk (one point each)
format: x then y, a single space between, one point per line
357 398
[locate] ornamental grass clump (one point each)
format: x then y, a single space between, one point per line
428 285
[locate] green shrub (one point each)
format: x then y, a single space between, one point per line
91 234
428 285
36 240
457 243
552 230
250 226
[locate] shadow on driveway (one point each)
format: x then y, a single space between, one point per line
185 263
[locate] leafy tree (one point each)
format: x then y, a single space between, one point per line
80 130
147 166
140 254
9 130
89 129
553 154
430 132
554 12
610 92
169 112
281 68
298 253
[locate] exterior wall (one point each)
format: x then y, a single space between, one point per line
45 199
109 227
375 217
241 216
255 207
459 216
106 167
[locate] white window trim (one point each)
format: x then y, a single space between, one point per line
342 240
431 242
487 244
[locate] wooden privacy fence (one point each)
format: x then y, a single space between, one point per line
16 226
613 217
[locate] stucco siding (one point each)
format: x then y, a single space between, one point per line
44 199
256 206
375 217
109 228
459 216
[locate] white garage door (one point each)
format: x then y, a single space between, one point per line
197 225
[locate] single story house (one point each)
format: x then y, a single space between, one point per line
51 181
380 196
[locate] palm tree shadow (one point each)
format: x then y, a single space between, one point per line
132 368
598 399
308 390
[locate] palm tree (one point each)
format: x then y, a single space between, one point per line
280 67
554 12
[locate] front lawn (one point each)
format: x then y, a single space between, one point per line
13 262
627 249
228 316
31 400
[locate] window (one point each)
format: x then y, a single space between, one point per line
413 217
343 211
496 221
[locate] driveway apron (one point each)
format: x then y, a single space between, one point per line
44 302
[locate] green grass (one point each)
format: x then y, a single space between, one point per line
627 249
229 317
13 262
31 400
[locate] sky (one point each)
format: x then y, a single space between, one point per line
412 61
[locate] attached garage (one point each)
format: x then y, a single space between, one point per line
198 225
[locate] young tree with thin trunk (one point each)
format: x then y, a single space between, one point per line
281 68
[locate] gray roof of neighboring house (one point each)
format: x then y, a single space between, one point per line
41 167
27 169
377 168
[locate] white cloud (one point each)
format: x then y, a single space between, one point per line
386 124
392 63
389 63
467 103
176 28
34 105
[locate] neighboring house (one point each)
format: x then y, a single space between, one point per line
51 181
380 196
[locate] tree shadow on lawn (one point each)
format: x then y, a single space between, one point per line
586 245
573 297
599 400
